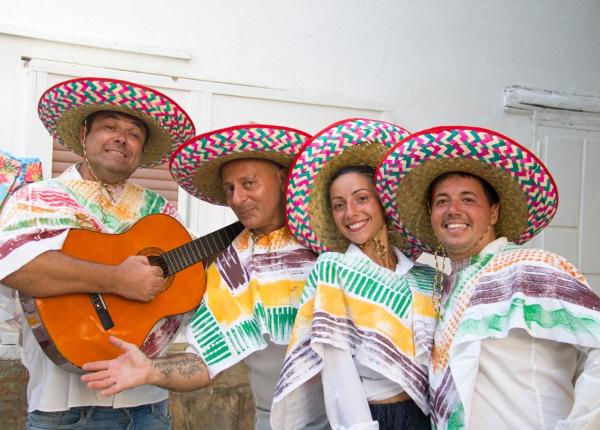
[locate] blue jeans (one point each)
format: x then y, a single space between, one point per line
155 416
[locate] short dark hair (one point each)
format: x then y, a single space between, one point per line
490 193
89 120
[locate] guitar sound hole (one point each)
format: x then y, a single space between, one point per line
156 252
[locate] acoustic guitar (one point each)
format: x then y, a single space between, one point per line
73 329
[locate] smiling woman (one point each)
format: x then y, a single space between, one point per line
358 214
361 341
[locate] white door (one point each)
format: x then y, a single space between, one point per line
573 157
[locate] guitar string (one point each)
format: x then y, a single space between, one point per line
186 258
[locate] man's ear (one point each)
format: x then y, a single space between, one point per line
495 213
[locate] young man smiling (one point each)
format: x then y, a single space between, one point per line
517 344
463 214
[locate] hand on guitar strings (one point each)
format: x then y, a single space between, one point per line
137 279
130 369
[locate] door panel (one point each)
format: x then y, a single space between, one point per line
573 158
590 223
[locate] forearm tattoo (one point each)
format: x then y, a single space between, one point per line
185 367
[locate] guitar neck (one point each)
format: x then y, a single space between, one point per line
179 258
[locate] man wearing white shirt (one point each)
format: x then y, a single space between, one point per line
517 344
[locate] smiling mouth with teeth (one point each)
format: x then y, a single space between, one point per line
456 225
114 152
356 225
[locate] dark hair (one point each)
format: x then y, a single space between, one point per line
89 120
367 171
490 193
360 169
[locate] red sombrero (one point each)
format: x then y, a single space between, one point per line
196 165
63 107
528 194
344 143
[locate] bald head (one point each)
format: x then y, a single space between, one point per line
255 190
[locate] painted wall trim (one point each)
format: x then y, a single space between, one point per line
531 99
213 87
53 35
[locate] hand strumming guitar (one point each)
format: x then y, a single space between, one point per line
136 279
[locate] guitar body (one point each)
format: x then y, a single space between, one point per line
68 327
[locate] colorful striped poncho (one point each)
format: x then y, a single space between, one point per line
384 319
253 289
48 209
505 287
36 219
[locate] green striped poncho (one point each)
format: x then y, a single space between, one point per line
252 290
506 287
383 318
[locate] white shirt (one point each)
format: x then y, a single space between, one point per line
263 370
51 388
523 383
264 367
347 385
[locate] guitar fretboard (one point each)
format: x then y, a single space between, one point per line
177 259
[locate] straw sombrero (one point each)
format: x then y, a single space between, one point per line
63 107
196 165
528 194
344 143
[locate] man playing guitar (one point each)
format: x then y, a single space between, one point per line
116 126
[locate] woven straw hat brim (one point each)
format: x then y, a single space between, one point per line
512 219
196 165
351 142
207 184
527 192
63 108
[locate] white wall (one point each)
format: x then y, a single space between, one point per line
438 62
435 62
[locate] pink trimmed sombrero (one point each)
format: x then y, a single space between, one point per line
63 108
528 194
196 165
348 142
